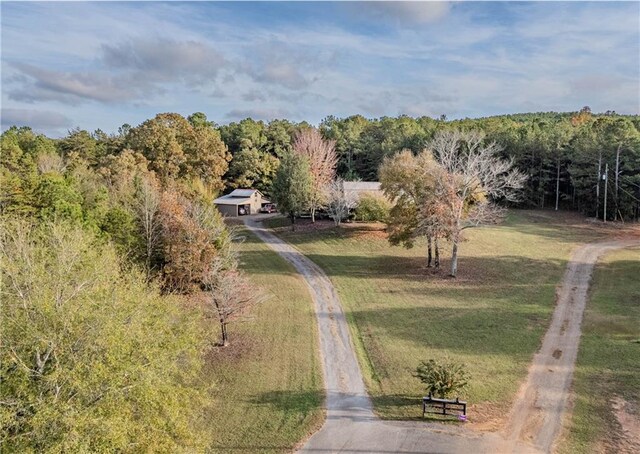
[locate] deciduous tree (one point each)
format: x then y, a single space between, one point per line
92 359
322 159
292 186
474 177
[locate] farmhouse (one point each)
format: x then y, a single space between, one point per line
241 202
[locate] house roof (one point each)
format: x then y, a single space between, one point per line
362 186
229 200
240 197
243 193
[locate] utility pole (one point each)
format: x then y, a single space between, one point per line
598 185
615 215
557 182
606 184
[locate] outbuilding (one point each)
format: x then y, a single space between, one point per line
241 202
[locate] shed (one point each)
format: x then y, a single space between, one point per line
240 202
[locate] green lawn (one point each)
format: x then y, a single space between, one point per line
608 368
268 382
492 317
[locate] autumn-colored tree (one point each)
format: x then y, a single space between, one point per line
193 238
231 296
410 182
474 176
322 159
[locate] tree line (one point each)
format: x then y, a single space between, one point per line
565 155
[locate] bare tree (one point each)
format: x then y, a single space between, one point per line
322 158
231 296
339 203
474 176
147 208
50 162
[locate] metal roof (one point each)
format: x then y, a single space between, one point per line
242 193
362 186
228 200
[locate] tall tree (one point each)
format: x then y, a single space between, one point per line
410 182
292 186
321 157
92 359
178 149
475 176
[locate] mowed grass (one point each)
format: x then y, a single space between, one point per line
268 383
492 317
607 373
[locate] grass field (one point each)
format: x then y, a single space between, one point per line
268 382
492 317
607 378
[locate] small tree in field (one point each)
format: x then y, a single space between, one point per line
442 378
231 296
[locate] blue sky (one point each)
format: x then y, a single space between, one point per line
99 65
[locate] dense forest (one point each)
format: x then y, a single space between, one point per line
132 261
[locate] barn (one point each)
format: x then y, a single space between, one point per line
240 202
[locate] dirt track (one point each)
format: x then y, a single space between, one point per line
536 416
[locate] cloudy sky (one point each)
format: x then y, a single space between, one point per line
99 65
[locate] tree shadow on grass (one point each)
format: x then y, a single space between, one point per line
296 402
482 271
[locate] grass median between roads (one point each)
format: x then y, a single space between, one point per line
492 317
606 414
268 382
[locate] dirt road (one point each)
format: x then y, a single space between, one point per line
536 416
351 425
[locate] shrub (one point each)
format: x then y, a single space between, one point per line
442 378
372 208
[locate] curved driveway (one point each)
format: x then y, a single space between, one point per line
352 427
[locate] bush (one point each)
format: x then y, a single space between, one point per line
442 379
92 359
372 208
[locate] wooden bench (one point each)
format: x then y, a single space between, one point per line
449 407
